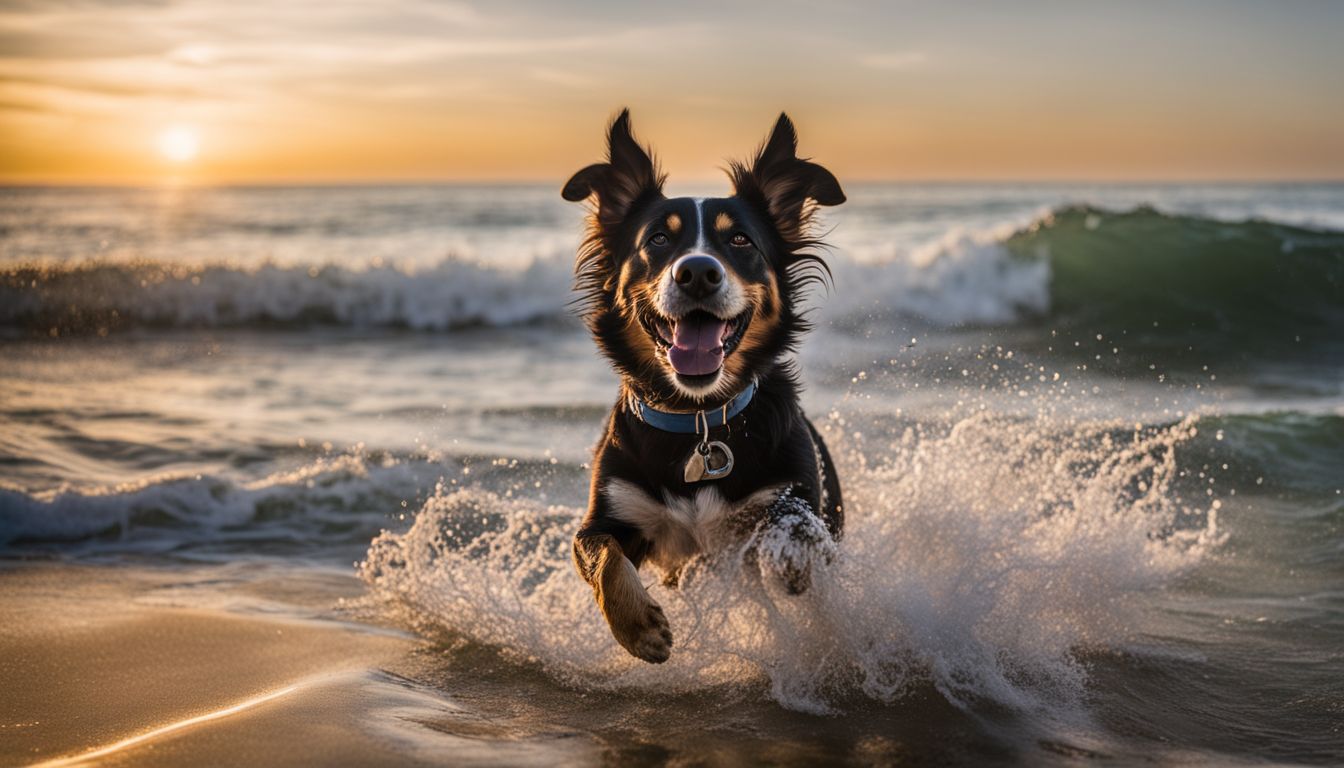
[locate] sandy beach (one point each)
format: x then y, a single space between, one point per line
96 664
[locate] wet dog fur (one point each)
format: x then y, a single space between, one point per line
751 255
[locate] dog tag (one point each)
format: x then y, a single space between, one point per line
709 461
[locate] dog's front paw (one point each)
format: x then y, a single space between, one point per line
791 543
644 632
636 621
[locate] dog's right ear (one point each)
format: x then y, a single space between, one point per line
628 178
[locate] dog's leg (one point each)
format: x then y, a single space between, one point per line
636 621
831 508
790 541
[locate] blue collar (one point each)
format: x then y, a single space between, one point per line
689 423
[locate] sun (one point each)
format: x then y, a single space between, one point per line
179 143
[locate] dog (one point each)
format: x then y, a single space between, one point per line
694 301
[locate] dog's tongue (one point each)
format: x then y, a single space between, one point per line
697 344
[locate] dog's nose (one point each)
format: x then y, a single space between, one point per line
698 275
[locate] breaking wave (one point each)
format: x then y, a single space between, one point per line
1158 277
1083 267
99 297
328 499
1166 279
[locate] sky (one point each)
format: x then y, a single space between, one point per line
290 91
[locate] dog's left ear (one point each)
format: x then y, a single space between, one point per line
782 183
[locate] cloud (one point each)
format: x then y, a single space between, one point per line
68 44
17 105
102 88
64 52
900 61
47 6
562 78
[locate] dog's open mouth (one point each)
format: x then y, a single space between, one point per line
697 342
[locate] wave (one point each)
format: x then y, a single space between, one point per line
101 297
334 501
1160 278
1181 277
326 501
349 497
1286 454
1112 271
964 278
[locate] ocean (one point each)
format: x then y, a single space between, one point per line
1091 439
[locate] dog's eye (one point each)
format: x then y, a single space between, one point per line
658 239
740 240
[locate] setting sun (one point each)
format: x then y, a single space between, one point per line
179 144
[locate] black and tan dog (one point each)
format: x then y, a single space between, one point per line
694 301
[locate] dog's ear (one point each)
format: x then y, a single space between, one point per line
783 183
628 178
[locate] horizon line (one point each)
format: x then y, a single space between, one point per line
557 183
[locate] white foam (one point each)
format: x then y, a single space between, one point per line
978 561
450 294
166 512
966 277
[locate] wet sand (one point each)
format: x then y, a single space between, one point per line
230 665
96 664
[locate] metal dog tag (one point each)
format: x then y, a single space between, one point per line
709 461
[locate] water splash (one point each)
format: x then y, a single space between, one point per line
978 559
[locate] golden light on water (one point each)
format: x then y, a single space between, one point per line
83 758
179 143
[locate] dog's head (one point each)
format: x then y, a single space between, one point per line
691 298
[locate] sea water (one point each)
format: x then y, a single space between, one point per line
1091 440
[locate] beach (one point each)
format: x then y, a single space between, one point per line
94 660
288 475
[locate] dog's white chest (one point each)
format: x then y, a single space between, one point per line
680 527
